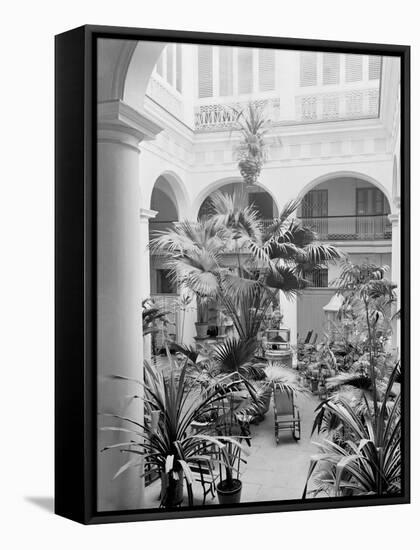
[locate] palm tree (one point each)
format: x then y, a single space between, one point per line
253 126
266 260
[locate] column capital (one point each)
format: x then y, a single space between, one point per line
146 214
394 219
120 123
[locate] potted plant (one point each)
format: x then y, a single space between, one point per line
164 442
229 487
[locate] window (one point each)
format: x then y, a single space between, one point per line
205 71
164 283
370 202
308 73
178 62
170 64
245 71
330 68
266 70
225 71
354 68
315 204
375 63
262 203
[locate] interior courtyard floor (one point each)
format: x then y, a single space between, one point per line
273 471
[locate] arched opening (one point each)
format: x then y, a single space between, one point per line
163 291
261 200
351 213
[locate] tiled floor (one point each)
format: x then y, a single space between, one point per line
272 472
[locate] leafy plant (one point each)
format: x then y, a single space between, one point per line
268 260
164 442
362 420
253 125
369 460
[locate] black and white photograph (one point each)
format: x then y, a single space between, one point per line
248 204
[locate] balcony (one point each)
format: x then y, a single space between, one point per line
219 116
343 105
350 228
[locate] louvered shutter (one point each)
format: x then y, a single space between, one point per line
205 71
308 74
354 68
375 63
330 68
266 70
179 67
245 71
225 71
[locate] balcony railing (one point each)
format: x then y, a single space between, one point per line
347 105
219 116
350 228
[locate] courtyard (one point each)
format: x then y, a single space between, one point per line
260 256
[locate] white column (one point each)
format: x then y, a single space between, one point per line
145 216
119 328
396 271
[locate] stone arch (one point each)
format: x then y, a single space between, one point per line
345 174
217 184
172 185
124 69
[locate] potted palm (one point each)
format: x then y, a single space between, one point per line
165 443
229 487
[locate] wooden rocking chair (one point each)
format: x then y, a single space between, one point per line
286 413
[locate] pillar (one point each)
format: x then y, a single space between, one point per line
119 275
145 216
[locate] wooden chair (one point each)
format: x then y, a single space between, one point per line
205 470
286 413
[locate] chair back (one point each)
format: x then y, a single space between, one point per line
283 400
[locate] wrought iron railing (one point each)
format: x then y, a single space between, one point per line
218 116
350 228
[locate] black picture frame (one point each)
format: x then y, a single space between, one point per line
75 270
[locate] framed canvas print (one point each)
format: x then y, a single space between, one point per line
232 274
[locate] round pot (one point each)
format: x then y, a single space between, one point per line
172 490
229 495
201 329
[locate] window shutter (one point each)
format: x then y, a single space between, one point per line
308 76
225 71
354 68
205 71
245 71
179 67
170 64
266 70
375 63
330 68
